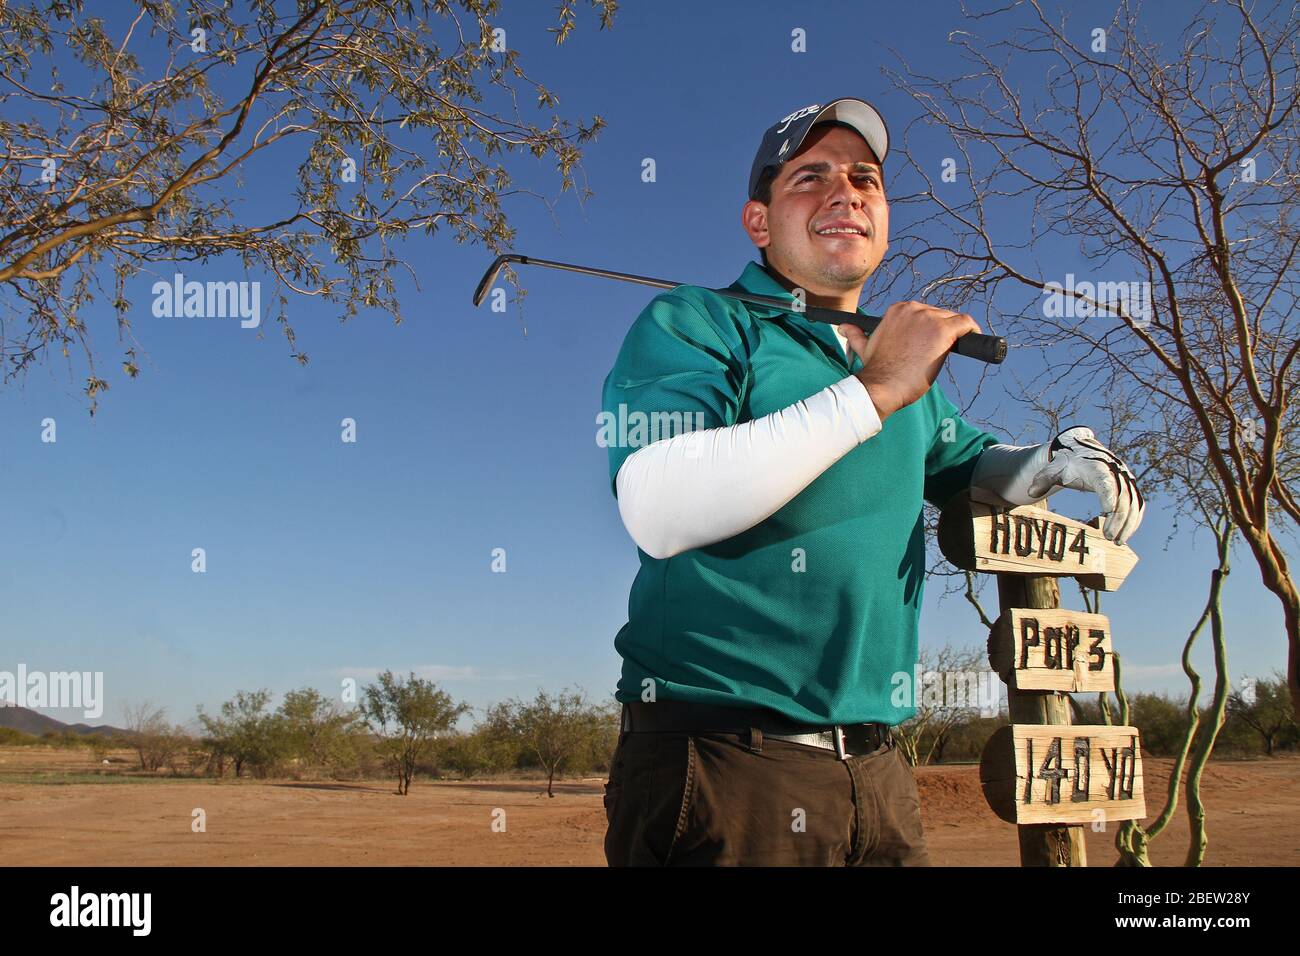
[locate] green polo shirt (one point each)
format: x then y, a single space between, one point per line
813 611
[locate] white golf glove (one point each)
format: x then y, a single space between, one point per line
1074 459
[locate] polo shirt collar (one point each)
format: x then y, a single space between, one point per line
758 280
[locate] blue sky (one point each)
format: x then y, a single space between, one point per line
326 559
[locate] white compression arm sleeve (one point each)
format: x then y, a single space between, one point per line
698 488
1008 471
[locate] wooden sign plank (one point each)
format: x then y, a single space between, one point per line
980 536
1063 774
1053 649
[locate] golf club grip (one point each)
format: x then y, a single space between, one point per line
976 345
986 348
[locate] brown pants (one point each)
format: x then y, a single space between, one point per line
679 799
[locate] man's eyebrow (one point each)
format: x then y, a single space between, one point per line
825 167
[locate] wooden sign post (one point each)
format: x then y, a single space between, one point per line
1052 775
1048 777
1031 540
1053 650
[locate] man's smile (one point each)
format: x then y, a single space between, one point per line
843 229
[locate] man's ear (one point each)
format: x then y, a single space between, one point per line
753 218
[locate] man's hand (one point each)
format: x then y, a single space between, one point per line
902 358
1081 462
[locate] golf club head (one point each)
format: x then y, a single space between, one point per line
490 276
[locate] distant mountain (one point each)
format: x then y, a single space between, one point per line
30 722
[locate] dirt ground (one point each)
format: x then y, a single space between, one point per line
49 818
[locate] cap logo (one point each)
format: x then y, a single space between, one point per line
784 147
787 120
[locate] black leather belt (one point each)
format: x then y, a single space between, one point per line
669 716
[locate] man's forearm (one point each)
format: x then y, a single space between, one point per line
1008 471
698 488
1073 459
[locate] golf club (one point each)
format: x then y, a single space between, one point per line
986 348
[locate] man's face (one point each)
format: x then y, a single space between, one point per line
833 179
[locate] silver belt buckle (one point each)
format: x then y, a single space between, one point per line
837 733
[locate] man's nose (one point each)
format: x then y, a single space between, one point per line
844 191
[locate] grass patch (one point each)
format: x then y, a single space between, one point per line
57 778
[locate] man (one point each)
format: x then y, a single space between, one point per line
781 542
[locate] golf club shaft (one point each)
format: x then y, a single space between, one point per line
986 348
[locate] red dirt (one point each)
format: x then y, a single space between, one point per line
1253 812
